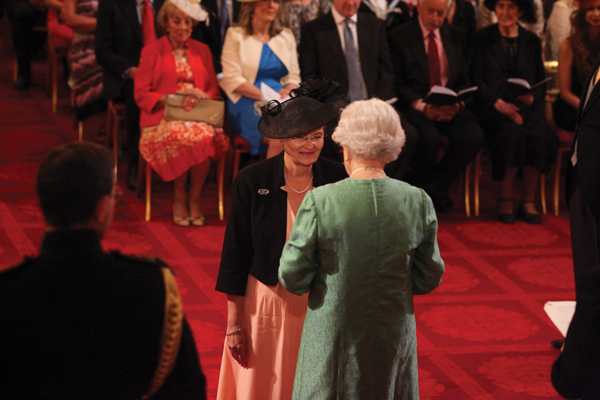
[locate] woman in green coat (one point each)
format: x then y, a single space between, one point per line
362 246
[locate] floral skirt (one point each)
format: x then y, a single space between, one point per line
172 148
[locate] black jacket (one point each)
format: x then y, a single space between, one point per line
321 55
119 41
256 228
411 64
79 323
587 137
489 67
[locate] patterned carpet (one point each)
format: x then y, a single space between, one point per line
482 335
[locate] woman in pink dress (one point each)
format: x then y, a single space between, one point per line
178 149
264 321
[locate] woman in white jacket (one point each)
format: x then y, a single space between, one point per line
257 50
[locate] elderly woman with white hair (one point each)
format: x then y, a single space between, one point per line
362 246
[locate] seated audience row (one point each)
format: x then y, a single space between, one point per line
352 49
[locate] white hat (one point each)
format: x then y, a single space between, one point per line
191 8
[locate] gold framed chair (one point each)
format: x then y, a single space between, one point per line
145 174
115 113
54 55
240 145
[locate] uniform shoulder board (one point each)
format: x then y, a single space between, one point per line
149 260
18 267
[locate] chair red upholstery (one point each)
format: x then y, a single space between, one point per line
240 145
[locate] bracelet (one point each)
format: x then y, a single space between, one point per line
234 331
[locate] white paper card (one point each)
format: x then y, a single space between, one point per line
561 314
268 93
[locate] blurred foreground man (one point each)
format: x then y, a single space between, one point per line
79 323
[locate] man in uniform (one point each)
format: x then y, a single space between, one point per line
80 323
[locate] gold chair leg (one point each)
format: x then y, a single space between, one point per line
80 125
556 183
115 133
112 123
467 191
54 77
477 173
49 61
148 190
220 179
543 192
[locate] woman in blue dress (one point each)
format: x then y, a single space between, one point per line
257 50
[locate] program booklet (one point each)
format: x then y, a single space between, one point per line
518 87
442 96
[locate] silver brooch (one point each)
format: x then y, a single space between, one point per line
263 192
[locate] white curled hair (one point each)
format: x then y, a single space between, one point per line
370 130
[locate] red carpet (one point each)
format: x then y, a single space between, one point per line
482 335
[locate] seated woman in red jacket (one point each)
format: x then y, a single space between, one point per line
175 149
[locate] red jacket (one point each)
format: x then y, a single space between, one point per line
156 75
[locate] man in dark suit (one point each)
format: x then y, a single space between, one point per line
80 323
583 180
582 187
119 42
24 15
364 69
576 372
428 52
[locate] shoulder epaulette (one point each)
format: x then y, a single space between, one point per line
149 260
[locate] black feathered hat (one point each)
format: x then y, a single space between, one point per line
527 7
310 107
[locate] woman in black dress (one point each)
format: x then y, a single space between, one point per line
514 125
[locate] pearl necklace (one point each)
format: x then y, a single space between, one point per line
367 169
294 190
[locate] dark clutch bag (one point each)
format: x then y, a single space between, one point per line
210 111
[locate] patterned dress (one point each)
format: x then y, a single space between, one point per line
173 147
86 74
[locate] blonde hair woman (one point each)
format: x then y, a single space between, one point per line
258 50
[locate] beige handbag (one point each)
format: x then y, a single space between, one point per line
206 110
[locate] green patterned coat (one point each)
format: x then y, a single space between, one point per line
362 247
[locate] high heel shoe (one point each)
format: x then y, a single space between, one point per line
533 219
197 221
181 221
506 218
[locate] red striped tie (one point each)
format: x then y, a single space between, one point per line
148 24
434 61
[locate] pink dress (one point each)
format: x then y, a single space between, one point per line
274 319
172 148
